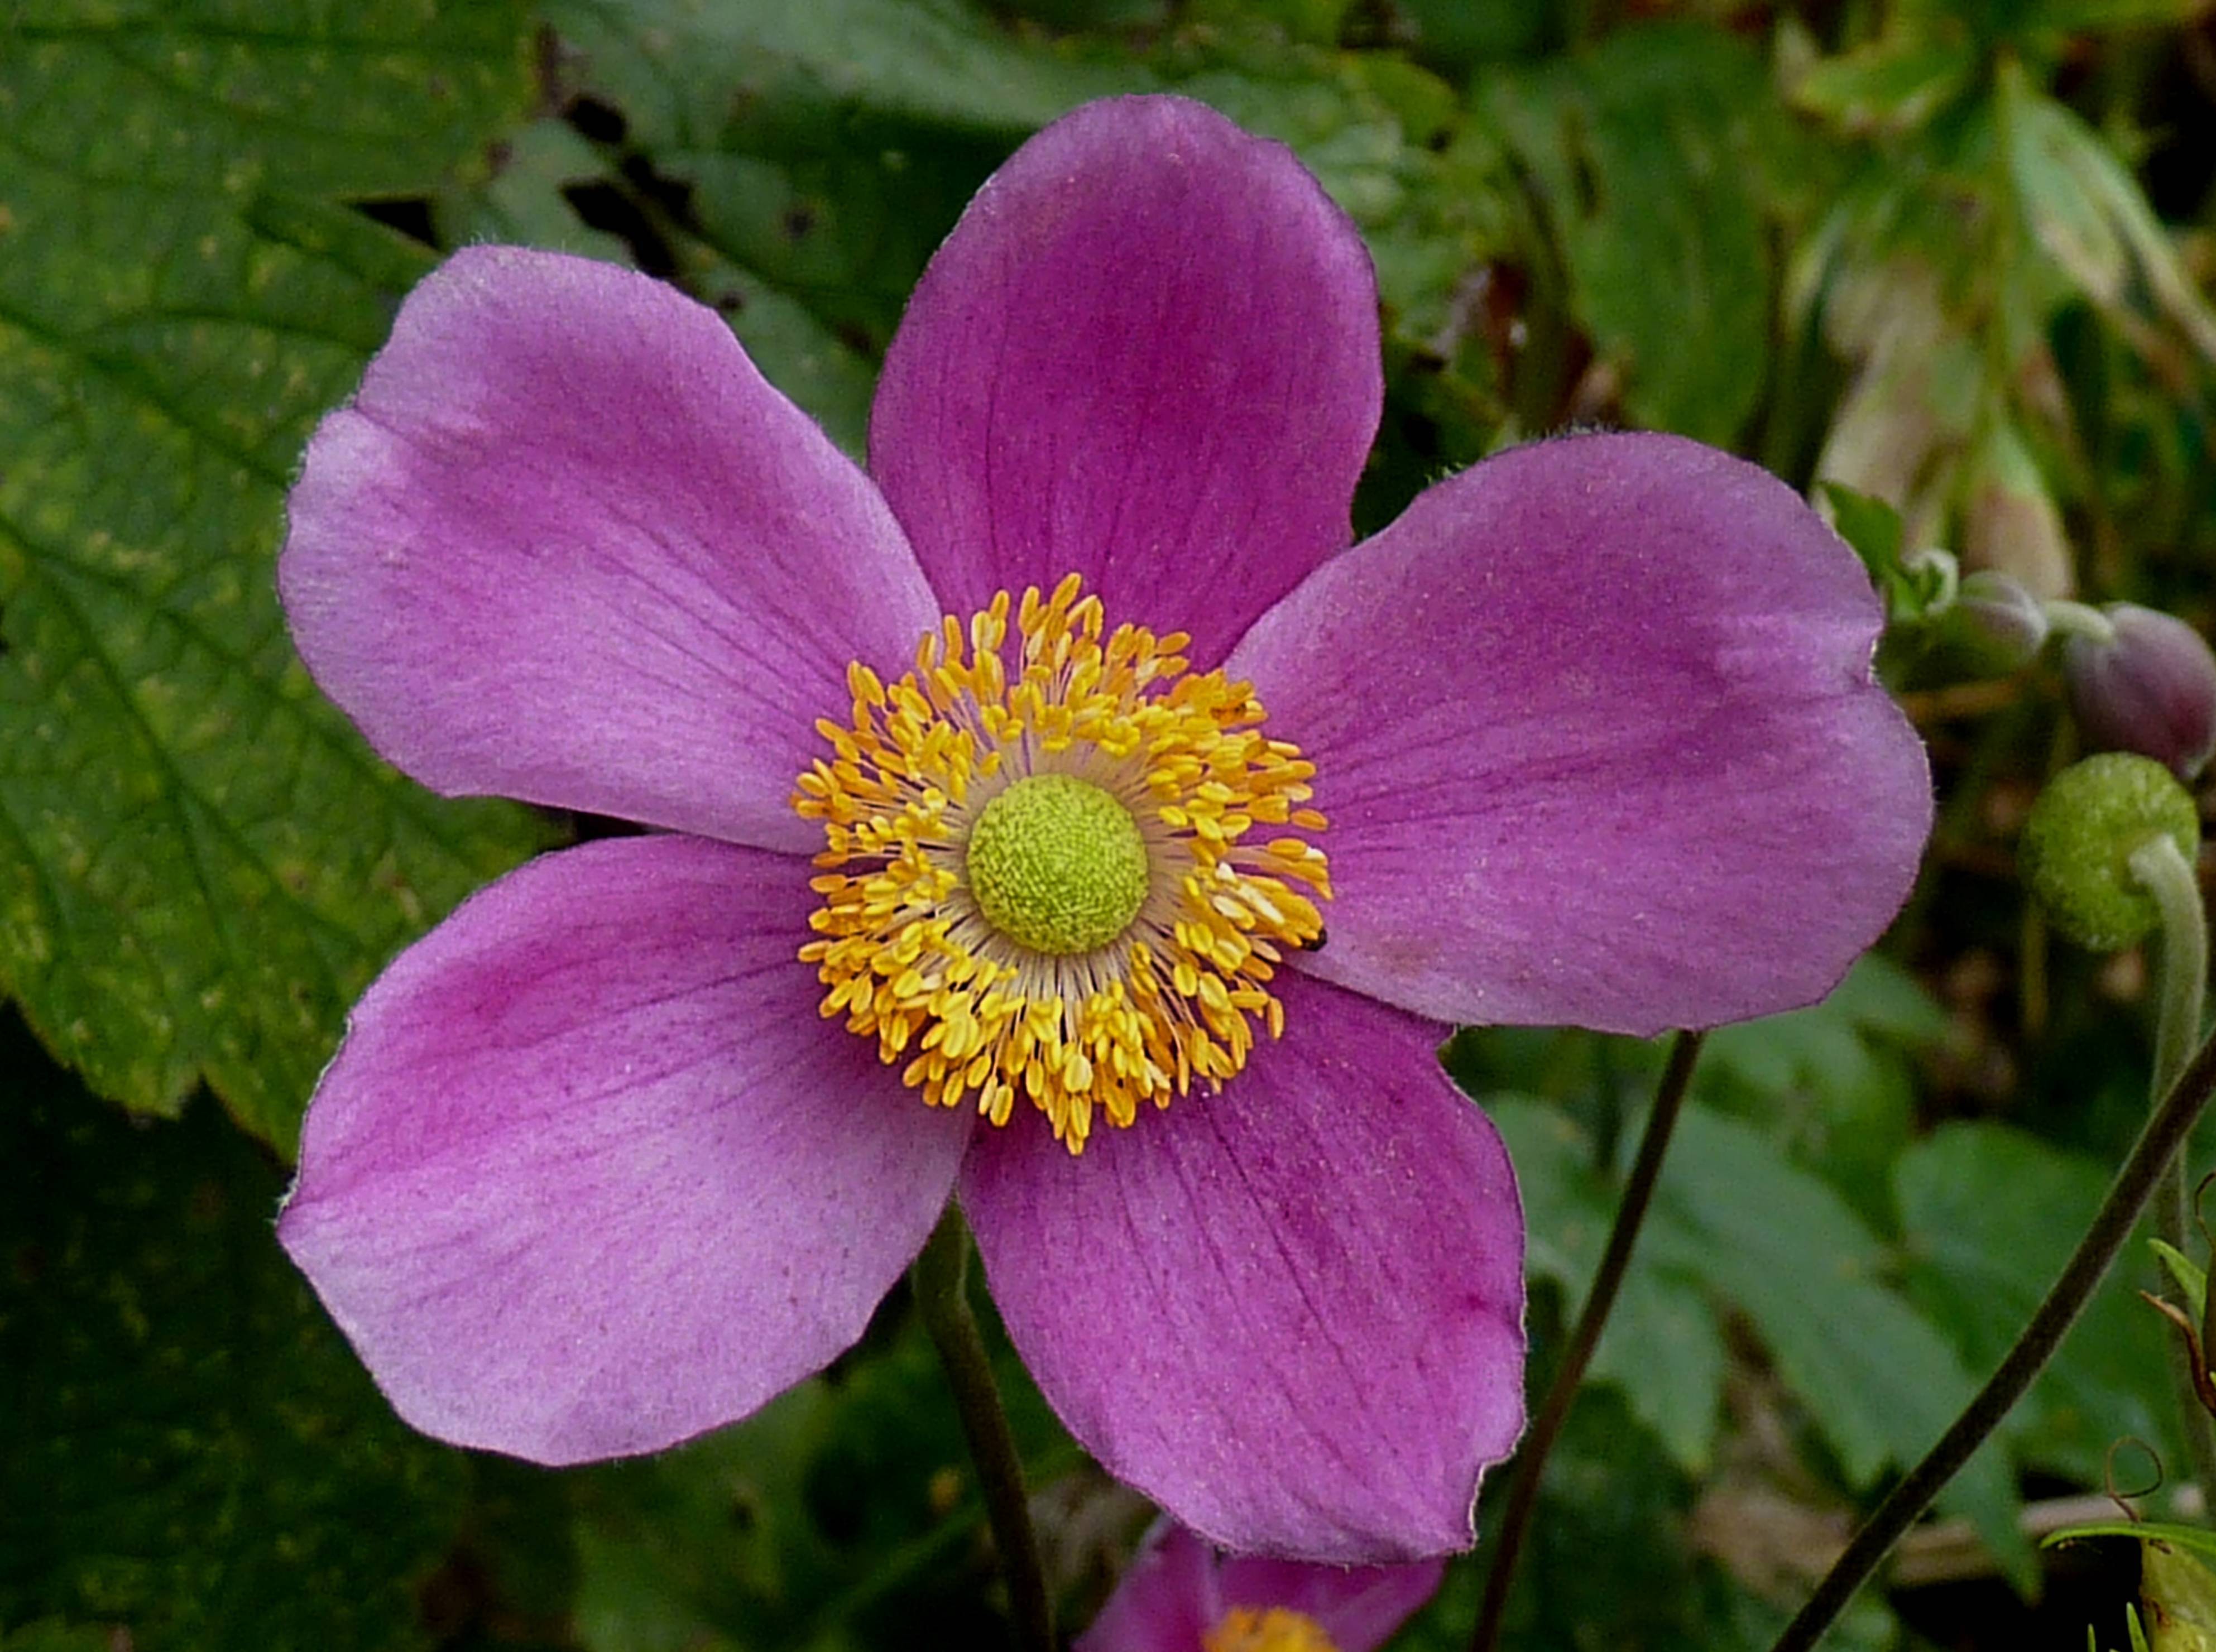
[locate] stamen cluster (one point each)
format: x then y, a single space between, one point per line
911 959
1274 1629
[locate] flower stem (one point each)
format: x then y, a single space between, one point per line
1638 1193
2161 869
2067 618
942 1293
2166 1130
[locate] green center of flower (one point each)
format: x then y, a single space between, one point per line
1057 864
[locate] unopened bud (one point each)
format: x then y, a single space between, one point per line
2151 688
1995 626
2079 839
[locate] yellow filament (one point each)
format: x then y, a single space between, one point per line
1244 1628
910 959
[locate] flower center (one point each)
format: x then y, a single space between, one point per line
1278 1630
1057 864
1045 874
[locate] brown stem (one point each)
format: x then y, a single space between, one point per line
942 1293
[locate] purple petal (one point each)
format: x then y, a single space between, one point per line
1177 1589
1148 354
589 1175
1595 726
567 545
1359 1607
1166 1600
1290 1313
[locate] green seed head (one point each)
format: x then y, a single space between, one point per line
1057 864
2076 847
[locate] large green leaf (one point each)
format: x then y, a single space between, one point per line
1880 1379
1646 154
1989 1215
2089 215
843 1517
1735 1223
201 863
686 70
188 1452
819 163
820 153
1836 1081
1662 1347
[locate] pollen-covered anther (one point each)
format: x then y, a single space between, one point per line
1272 1629
1042 878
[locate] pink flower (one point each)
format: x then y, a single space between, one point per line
602 1164
1178 1596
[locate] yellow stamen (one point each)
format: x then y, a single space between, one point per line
908 952
1244 1628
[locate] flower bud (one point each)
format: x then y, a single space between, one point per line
2078 844
2151 690
1995 626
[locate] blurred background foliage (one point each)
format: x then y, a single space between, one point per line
1950 254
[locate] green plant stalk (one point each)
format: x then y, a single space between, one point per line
941 1277
2066 618
2161 869
2166 1130
1608 1280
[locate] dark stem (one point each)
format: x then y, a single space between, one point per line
942 1293
2166 1131
1531 1462
2162 871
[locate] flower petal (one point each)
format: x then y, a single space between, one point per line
1290 1313
1177 1589
568 545
1148 354
1166 1600
1359 1607
1595 726
589 1175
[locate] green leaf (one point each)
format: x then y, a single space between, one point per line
1988 1216
2180 1595
355 102
52 1635
2184 1537
682 70
1433 205
1916 587
841 1518
1608 1562
2089 217
818 173
1837 1080
201 863
521 201
1871 527
189 1452
2191 1278
524 203
1877 1377
1662 1347
1893 85
1645 153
